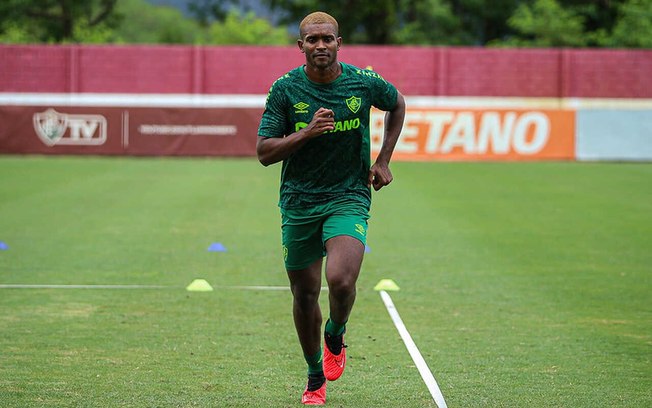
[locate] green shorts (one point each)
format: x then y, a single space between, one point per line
305 231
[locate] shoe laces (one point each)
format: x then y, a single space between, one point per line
335 343
315 381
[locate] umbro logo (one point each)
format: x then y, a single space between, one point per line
301 107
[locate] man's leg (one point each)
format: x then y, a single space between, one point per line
303 252
345 255
306 285
343 265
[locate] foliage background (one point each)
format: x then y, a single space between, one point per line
522 23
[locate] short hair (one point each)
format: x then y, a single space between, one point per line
318 17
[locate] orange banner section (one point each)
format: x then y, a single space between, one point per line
481 134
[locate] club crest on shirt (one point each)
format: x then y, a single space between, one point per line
354 104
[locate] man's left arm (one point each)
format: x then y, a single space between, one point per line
379 174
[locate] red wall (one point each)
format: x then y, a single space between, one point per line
251 70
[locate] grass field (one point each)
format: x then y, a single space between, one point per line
522 284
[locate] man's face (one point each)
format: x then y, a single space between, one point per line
320 44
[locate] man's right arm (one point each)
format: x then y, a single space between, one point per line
272 150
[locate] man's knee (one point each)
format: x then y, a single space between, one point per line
305 298
342 284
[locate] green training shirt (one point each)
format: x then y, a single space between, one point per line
335 163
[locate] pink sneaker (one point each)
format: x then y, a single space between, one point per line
334 363
317 397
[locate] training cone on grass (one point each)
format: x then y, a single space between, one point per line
216 247
386 284
199 285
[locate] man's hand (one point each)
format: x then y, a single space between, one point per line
271 150
322 121
379 176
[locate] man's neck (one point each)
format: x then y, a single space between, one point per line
323 76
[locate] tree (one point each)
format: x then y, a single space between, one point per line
633 27
597 14
360 21
247 29
206 11
484 20
56 20
13 33
144 23
538 23
581 23
429 22
545 24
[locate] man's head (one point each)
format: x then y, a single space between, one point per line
319 40
318 17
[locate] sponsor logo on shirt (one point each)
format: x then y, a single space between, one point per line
340 126
369 74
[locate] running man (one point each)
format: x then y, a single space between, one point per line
316 121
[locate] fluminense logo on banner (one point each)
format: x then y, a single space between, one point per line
54 128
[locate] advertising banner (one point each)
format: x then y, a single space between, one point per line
428 133
129 131
481 134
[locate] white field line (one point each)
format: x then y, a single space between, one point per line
258 101
45 286
425 372
40 286
133 100
255 287
323 288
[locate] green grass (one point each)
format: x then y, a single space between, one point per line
522 284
